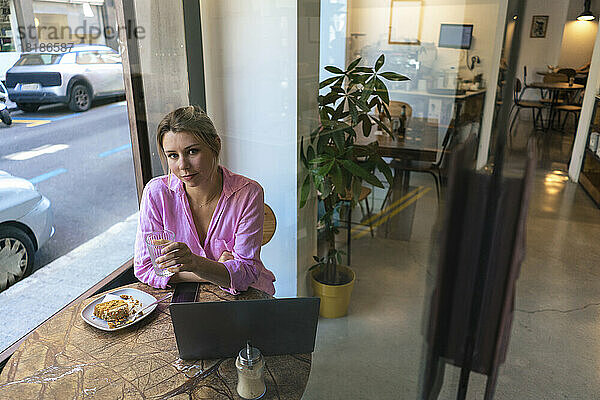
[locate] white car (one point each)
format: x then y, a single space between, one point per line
26 223
73 75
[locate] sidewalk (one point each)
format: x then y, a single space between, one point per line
29 302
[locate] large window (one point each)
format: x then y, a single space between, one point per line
72 206
446 70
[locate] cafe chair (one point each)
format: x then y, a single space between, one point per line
434 169
525 85
569 109
519 104
269 225
347 201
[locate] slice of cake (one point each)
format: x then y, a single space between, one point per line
112 311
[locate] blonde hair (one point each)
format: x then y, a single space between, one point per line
193 120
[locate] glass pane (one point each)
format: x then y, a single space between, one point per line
68 200
38 59
449 53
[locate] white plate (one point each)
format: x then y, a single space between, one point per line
29 86
144 298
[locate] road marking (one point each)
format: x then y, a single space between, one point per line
396 211
47 175
32 122
45 149
116 150
64 117
119 104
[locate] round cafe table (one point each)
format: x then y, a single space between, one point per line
65 358
555 88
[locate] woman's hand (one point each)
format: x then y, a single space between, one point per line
226 256
177 257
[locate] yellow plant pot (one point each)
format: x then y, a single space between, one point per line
334 298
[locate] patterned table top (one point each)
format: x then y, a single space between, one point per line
65 358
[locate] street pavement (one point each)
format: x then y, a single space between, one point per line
29 302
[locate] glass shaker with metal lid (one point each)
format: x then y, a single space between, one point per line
250 368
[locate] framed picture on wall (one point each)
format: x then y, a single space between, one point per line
539 24
406 17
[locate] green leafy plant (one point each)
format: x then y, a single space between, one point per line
336 165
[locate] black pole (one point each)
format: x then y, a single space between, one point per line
475 314
193 50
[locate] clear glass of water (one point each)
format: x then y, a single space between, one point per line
155 242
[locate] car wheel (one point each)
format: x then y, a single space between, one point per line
81 99
5 116
28 107
16 255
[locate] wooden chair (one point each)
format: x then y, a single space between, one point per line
363 196
570 109
269 225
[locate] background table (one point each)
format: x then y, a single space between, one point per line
65 358
555 88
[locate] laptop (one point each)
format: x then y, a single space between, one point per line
221 329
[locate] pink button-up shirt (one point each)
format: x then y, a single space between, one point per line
236 226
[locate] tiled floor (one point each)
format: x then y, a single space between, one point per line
376 351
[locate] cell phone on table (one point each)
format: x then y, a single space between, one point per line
185 292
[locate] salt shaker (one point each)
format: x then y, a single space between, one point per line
250 368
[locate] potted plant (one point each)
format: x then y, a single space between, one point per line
337 166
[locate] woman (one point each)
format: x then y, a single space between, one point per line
216 215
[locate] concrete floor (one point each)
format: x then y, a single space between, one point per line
376 351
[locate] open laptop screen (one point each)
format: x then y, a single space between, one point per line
220 329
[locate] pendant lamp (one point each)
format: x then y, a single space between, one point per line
586 15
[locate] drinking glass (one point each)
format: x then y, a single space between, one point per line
155 242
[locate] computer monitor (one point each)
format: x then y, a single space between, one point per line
456 36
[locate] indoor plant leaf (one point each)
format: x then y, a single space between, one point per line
333 70
305 190
360 172
382 91
353 64
368 70
379 62
327 82
393 76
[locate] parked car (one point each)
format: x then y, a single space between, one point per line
26 223
75 77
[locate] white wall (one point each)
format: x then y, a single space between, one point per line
537 53
578 37
370 18
254 79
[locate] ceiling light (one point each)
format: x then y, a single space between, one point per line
586 15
